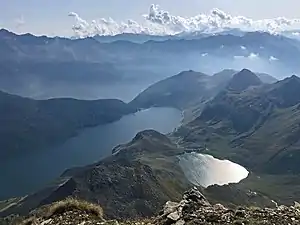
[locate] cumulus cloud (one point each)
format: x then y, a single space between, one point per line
161 22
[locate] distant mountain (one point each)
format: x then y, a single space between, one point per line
266 78
119 60
226 74
29 125
201 34
135 38
142 38
190 88
28 46
177 91
243 80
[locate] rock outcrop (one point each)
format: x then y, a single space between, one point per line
195 209
178 213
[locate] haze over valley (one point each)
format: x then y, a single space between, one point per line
42 67
132 114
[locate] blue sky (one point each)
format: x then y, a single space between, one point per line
50 16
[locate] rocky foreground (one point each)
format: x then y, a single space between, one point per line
192 209
195 209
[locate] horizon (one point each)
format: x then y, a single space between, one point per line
158 18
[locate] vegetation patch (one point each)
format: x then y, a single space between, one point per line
71 204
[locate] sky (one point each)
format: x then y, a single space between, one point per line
50 17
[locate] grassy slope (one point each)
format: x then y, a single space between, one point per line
135 182
259 129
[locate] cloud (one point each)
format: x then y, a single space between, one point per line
238 57
161 22
251 56
272 58
19 22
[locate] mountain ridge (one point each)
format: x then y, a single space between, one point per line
122 62
240 116
192 208
173 91
134 182
243 80
257 128
33 124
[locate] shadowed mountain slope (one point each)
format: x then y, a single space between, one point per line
28 125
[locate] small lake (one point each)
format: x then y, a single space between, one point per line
205 170
28 174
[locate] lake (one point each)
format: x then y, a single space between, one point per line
28 174
205 170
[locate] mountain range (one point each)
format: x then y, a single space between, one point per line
29 125
190 91
43 67
242 115
242 118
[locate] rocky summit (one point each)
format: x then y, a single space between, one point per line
194 208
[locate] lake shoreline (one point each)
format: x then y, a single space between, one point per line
40 169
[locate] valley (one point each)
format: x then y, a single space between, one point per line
37 169
164 166
131 124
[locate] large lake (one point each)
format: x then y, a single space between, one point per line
28 174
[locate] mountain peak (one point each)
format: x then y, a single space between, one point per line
149 134
144 141
225 73
191 73
290 81
243 80
287 91
294 77
245 71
